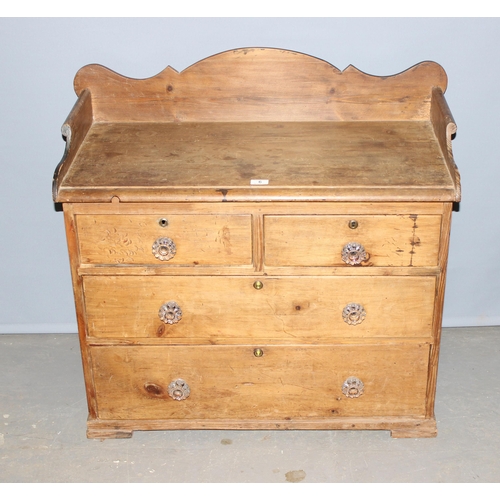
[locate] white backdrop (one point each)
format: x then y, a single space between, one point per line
39 58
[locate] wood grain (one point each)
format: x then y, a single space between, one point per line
74 131
297 208
438 315
445 129
404 240
79 298
299 308
257 160
287 381
400 427
199 239
217 162
259 84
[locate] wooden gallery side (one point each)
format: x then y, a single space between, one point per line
259 242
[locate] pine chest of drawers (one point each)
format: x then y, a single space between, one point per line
259 242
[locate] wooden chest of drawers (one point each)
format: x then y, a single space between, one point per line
259 242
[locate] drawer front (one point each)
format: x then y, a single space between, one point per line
319 240
135 239
217 309
284 382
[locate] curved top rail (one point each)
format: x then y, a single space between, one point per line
253 84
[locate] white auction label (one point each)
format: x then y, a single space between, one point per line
259 182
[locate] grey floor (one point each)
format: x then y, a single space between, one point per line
43 414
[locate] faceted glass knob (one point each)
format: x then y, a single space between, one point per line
354 253
353 314
353 387
164 249
179 389
170 313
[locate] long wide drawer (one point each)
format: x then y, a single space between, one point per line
282 382
165 239
218 308
366 240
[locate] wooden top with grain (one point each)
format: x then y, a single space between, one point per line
259 125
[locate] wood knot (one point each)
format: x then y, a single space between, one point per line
153 389
300 306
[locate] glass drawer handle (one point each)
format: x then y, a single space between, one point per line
354 254
353 314
164 248
170 313
179 389
353 387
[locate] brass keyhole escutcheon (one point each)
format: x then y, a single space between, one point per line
353 224
163 222
258 353
258 285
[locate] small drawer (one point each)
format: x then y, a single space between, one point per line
215 309
165 239
259 381
365 240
